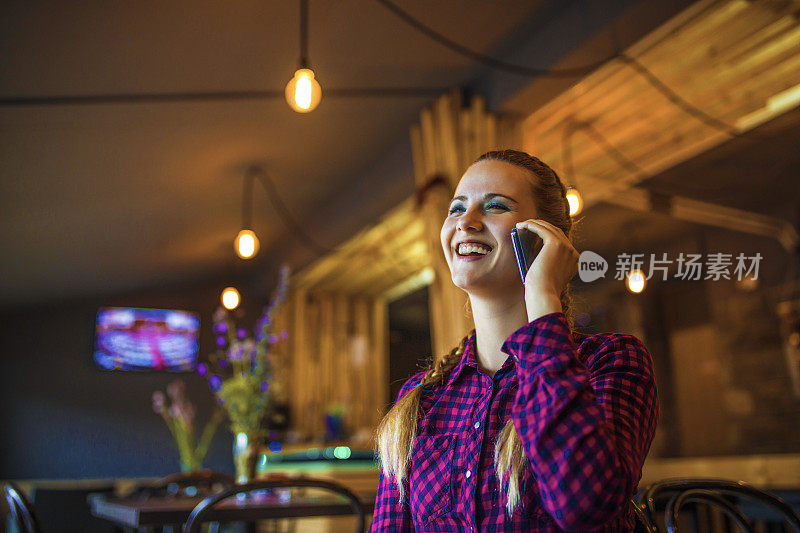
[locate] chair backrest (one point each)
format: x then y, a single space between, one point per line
201 512
203 481
716 493
20 508
643 523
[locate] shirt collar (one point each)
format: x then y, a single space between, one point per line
467 359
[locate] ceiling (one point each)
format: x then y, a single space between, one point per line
107 198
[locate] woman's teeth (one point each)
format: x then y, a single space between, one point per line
472 248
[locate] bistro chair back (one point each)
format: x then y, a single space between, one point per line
670 496
643 523
20 508
201 513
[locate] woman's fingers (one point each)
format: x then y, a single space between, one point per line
544 229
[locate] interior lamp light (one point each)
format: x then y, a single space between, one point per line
246 244
635 281
575 201
230 298
303 92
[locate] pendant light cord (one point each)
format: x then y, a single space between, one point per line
304 34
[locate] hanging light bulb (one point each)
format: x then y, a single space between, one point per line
575 201
635 281
246 244
303 92
230 298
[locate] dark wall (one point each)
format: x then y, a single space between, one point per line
409 339
63 417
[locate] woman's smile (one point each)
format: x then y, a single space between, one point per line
472 250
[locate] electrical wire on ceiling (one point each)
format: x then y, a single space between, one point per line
390 92
285 215
497 64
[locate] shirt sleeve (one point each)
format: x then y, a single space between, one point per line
586 427
390 514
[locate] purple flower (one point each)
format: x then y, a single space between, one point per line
187 412
284 334
273 339
176 389
264 386
220 314
202 369
215 382
158 401
222 363
241 333
221 341
220 328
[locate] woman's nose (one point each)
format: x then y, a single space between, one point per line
470 220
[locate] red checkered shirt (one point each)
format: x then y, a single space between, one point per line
585 408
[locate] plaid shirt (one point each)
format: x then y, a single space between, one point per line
585 407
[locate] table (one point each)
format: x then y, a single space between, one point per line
134 513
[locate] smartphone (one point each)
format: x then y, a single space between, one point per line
526 245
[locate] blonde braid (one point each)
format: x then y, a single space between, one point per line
398 429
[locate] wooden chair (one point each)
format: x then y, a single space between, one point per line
20 508
200 513
723 495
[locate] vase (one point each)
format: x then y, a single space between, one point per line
245 456
190 465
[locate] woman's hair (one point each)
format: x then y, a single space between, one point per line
398 429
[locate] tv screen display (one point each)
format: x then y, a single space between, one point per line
146 339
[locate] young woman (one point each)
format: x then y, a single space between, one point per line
527 425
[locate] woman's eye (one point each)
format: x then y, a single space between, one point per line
455 209
497 206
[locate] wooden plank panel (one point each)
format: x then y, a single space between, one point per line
727 58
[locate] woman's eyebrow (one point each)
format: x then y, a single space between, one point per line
488 196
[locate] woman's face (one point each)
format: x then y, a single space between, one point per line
490 199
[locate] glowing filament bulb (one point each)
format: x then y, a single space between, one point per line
246 244
303 92
635 281
575 201
230 298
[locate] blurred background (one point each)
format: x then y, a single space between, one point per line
137 139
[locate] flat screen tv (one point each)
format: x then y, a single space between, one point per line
146 339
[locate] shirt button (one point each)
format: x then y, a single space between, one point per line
468 474
477 425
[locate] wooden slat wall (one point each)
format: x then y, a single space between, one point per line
449 137
336 316
336 353
726 57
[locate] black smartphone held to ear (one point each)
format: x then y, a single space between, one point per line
526 246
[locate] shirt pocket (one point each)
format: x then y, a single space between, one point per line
431 480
